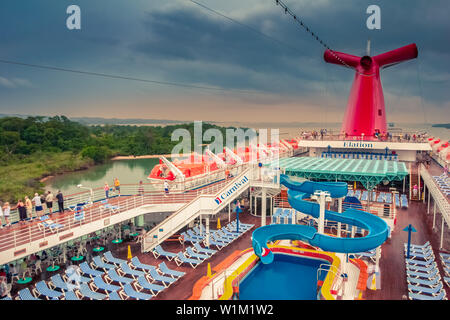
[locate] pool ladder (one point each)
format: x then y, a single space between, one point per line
338 275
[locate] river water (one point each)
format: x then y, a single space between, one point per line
132 171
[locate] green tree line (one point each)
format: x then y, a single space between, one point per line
34 147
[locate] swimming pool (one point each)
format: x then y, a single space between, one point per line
288 277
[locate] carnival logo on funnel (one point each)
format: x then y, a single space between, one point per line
224 195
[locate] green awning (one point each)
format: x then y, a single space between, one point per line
368 172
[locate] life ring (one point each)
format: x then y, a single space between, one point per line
264 252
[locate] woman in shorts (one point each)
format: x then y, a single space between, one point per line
6 213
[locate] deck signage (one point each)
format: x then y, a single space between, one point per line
230 191
362 145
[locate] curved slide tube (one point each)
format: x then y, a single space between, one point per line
298 191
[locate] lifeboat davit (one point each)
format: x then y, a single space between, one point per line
194 165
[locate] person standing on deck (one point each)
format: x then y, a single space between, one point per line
29 206
60 198
117 185
22 211
6 213
415 191
166 188
49 202
106 188
38 205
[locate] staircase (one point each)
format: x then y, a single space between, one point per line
205 204
414 179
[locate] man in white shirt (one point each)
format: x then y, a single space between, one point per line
49 201
38 204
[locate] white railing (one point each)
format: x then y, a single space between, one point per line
203 204
439 198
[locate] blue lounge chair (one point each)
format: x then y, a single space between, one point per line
143 283
200 249
125 269
427 268
424 250
71 295
424 282
423 246
86 292
97 262
109 258
99 283
418 274
25 294
417 255
191 234
87 270
58 283
115 277
212 242
131 293
41 289
137 264
72 276
218 238
114 296
172 273
180 259
194 255
46 222
232 235
166 281
417 296
159 251
413 262
422 289
184 237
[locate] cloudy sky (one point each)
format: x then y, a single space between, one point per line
265 66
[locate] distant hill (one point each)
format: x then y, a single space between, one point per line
103 121
441 125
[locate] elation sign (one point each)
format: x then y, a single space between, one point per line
363 145
233 189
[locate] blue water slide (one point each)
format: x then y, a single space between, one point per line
378 230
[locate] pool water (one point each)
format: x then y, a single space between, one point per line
286 278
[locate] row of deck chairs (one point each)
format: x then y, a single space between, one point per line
106 278
196 254
443 181
445 259
368 255
283 216
422 273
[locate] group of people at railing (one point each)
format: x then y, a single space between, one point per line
25 207
323 134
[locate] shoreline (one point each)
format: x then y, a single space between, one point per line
148 156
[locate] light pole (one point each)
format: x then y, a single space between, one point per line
90 191
321 197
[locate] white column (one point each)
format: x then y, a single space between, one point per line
418 182
339 211
429 199
441 245
424 188
321 223
200 220
263 206
434 214
207 231
251 203
229 212
377 258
